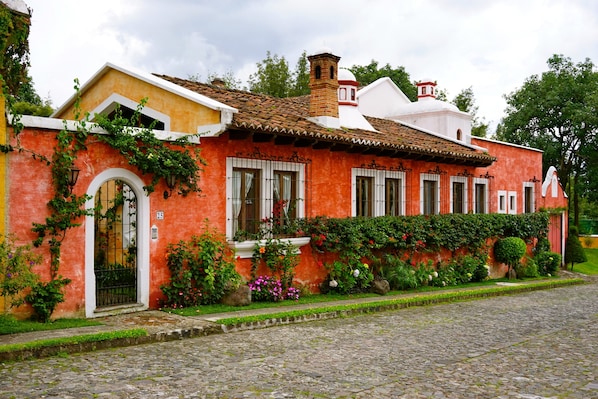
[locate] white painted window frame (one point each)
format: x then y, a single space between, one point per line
267 169
432 177
460 179
533 199
512 203
379 194
501 206
484 181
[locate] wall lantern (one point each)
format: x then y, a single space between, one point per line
72 178
170 182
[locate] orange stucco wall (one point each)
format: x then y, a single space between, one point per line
328 193
185 115
514 166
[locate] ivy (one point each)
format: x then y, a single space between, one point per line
139 146
356 238
151 155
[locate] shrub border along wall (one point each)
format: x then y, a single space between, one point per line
362 237
328 312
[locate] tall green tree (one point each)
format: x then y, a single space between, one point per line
273 77
301 77
557 112
465 101
366 74
14 49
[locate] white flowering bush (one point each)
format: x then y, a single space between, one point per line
348 277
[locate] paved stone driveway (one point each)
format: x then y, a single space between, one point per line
542 344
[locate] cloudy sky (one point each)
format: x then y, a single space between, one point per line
492 46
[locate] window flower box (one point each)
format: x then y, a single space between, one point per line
244 249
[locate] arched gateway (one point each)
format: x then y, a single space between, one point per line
116 245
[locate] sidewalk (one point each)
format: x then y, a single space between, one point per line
162 326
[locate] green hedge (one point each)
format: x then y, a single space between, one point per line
362 237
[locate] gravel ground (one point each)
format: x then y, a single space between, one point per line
542 344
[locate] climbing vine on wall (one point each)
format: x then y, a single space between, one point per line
150 155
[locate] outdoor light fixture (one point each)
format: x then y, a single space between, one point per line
170 182
72 178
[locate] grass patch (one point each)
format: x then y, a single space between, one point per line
591 266
311 299
10 325
75 340
403 302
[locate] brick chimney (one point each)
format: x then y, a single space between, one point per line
323 84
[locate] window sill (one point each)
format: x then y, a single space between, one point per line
244 249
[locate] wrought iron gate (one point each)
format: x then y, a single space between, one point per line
115 256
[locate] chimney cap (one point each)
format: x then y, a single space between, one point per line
218 82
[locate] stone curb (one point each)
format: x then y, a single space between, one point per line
215 328
377 307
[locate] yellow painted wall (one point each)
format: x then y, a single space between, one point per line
185 115
589 241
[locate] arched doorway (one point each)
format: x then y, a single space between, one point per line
116 245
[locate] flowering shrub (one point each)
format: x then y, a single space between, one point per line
348 277
202 270
548 263
15 269
280 257
269 289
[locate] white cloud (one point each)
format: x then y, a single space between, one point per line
491 46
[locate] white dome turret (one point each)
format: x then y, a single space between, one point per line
347 88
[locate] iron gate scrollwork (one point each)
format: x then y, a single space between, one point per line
115 256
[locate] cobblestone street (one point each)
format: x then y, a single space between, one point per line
542 344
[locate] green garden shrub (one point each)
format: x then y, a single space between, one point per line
509 250
399 274
202 271
346 277
527 269
548 263
574 252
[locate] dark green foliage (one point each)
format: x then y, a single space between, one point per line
366 74
527 269
548 263
151 155
574 252
202 271
16 274
368 237
556 112
399 274
543 245
14 49
45 296
348 276
509 250
25 108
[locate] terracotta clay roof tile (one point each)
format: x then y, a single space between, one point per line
289 117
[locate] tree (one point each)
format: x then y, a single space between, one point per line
558 113
574 252
273 77
14 48
465 101
14 65
369 73
301 77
